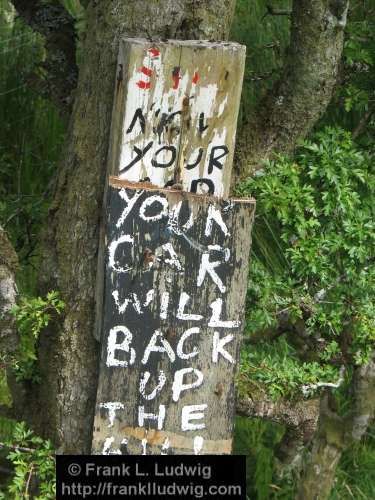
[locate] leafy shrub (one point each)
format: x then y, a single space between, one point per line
32 315
34 466
316 262
277 368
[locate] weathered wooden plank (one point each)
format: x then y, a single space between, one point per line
174 119
175 113
176 278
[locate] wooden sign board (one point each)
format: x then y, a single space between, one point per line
174 119
175 113
175 285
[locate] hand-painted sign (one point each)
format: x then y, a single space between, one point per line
175 113
175 282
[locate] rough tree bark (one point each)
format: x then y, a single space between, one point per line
299 417
8 298
62 406
301 95
68 358
8 294
336 433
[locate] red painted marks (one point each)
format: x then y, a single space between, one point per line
143 85
195 78
146 71
154 52
176 77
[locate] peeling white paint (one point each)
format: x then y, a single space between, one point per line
198 444
143 383
165 447
112 407
107 447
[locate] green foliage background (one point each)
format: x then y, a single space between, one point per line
313 226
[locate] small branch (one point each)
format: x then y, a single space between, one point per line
300 418
310 388
271 11
17 448
28 481
363 122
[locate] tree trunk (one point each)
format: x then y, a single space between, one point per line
8 331
335 434
305 88
68 357
8 294
62 406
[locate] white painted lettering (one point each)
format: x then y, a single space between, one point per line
184 299
214 214
218 347
164 347
208 267
173 261
125 238
133 300
142 416
192 412
112 407
164 305
178 382
113 346
150 201
130 204
215 320
180 345
144 380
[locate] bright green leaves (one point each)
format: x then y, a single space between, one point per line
32 457
32 315
316 210
277 369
